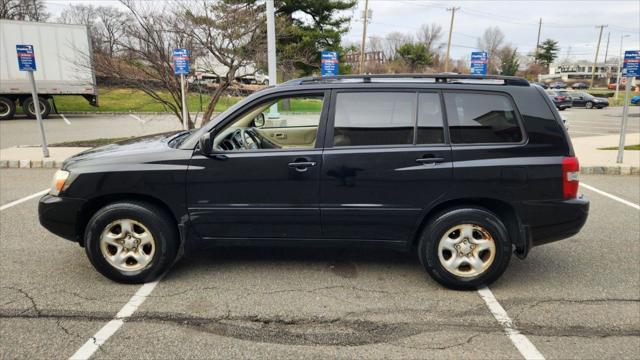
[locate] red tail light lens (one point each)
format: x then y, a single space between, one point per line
570 177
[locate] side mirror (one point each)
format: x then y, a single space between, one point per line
206 144
259 120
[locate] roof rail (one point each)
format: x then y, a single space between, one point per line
437 78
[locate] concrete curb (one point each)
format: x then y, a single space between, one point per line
50 164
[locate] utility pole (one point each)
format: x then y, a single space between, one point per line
453 15
606 53
538 41
595 61
364 35
271 53
619 67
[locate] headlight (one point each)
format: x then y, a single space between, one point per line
59 179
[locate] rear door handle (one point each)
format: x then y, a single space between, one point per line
302 166
429 160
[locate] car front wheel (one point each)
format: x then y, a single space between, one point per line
131 242
588 105
465 248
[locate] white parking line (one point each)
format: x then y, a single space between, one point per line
138 118
611 196
26 198
97 340
526 347
65 119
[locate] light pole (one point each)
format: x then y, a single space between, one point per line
271 54
364 35
619 67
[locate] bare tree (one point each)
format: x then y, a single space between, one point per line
395 40
230 33
145 59
491 41
429 35
27 10
112 24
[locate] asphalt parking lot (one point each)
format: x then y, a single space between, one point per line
594 122
22 131
578 298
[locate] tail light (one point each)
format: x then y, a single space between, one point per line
560 98
570 177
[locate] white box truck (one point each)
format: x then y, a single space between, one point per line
63 65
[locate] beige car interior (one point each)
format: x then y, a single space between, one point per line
289 130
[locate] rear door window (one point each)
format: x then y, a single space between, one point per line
374 118
481 118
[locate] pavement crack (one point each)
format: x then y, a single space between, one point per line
442 347
34 306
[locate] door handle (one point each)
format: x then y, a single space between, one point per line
429 160
302 166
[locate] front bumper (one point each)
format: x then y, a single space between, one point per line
60 215
551 221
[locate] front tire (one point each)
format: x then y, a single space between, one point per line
30 110
465 248
588 105
131 242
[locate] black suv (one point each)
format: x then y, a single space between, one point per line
464 170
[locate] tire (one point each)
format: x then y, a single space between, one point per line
432 248
588 105
29 110
7 108
143 218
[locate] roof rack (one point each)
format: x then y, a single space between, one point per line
442 78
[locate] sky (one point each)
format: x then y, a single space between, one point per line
571 23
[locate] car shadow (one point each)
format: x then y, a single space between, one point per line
340 261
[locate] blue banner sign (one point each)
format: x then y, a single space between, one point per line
479 60
180 61
631 63
26 58
329 63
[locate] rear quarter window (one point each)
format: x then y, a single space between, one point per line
476 118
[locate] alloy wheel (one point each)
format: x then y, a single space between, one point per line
466 250
127 245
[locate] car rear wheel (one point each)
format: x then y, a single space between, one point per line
30 110
588 105
465 248
131 242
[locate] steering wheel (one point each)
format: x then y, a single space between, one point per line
248 134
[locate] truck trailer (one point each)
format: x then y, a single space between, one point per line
63 66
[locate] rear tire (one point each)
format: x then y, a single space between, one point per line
588 105
29 109
131 242
485 233
7 108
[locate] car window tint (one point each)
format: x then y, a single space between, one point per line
481 118
374 118
430 126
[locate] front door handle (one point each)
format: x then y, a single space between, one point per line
302 166
429 160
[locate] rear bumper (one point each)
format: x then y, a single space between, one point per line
59 215
551 221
